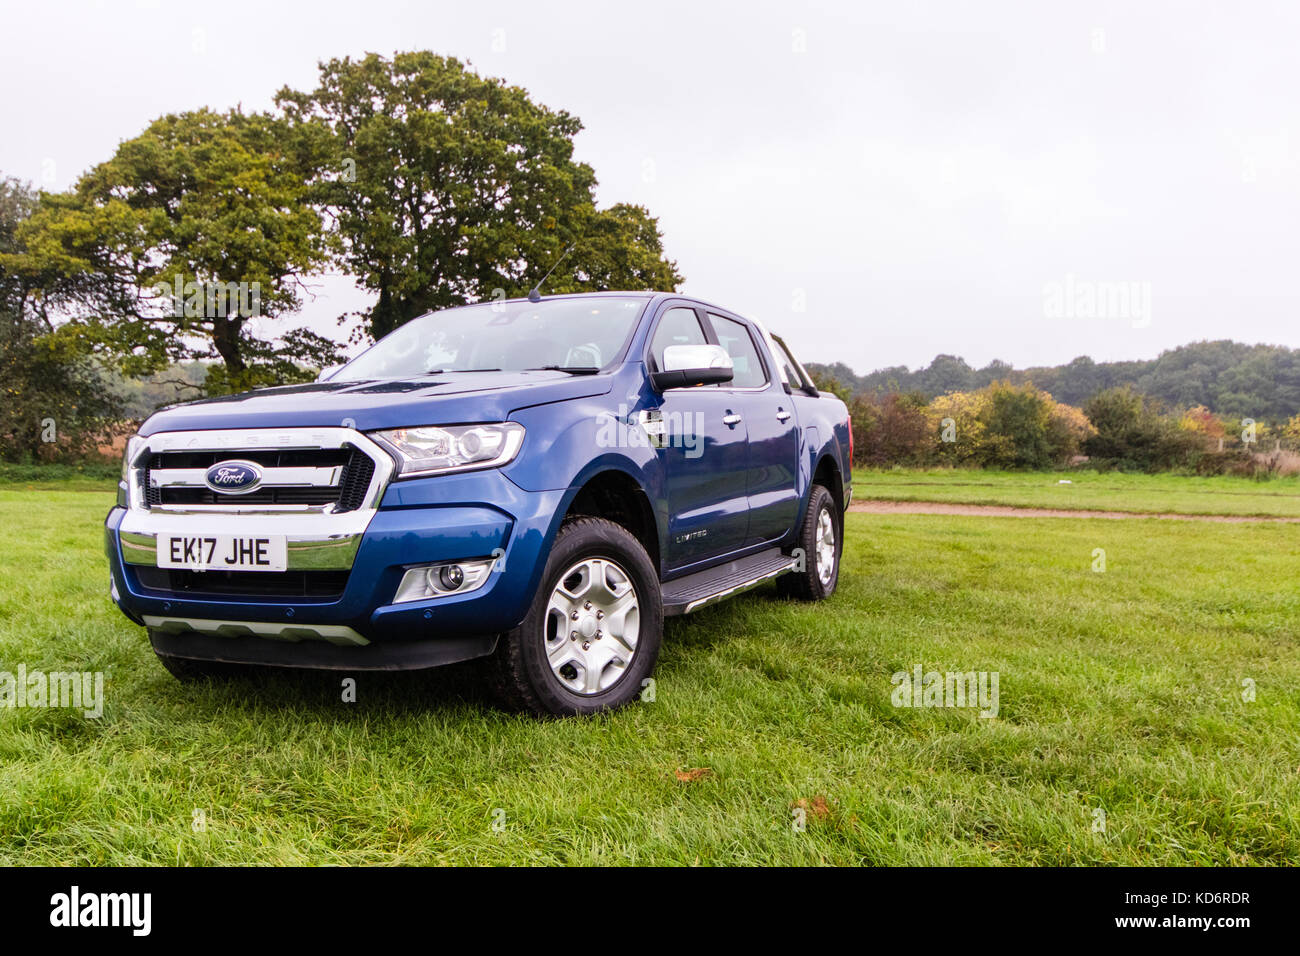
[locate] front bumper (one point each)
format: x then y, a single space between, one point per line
415 523
315 655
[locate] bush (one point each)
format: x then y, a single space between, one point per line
1004 426
956 423
1132 433
889 430
1018 427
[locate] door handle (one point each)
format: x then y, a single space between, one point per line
731 420
782 415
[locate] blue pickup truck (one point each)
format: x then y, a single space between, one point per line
532 482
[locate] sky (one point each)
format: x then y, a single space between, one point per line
877 182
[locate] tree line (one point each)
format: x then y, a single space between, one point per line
1229 378
1017 425
197 240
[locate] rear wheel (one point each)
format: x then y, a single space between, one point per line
593 632
821 544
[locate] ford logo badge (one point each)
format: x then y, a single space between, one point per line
233 477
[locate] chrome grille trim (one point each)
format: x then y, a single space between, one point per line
271 477
318 537
233 442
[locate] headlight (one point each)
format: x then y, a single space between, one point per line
128 456
133 445
438 449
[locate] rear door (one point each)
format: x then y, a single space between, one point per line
704 452
772 424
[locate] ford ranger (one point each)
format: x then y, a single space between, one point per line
536 483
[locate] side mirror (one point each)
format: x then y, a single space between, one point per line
686 366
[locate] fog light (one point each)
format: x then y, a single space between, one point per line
451 577
440 580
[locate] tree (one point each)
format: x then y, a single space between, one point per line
52 395
845 382
829 383
16 204
450 188
947 373
193 234
620 249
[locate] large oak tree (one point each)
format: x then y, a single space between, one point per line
448 187
203 203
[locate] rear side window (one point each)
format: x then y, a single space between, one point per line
735 338
791 370
677 326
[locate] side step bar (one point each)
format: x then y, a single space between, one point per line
702 588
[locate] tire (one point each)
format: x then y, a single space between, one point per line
543 668
814 583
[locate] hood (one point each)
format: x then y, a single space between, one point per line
448 398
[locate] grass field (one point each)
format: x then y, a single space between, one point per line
1119 691
1086 491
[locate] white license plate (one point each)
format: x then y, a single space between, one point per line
223 552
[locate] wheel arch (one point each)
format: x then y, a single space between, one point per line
617 496
828 474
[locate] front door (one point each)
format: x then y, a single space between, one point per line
704 448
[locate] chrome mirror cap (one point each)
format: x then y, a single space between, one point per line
681 357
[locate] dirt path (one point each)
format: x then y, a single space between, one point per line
1007 511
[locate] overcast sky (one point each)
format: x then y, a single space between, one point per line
878 182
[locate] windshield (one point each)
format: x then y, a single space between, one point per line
582 334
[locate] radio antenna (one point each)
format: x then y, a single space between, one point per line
535 294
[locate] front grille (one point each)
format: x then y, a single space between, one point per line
297 585
347 495
356 481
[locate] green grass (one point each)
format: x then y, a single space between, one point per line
1118 690
1087 491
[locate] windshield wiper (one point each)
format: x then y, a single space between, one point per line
440 371
572 369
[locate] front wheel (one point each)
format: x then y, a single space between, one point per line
592 634
821 545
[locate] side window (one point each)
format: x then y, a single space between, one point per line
678 326
787 364
735 338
